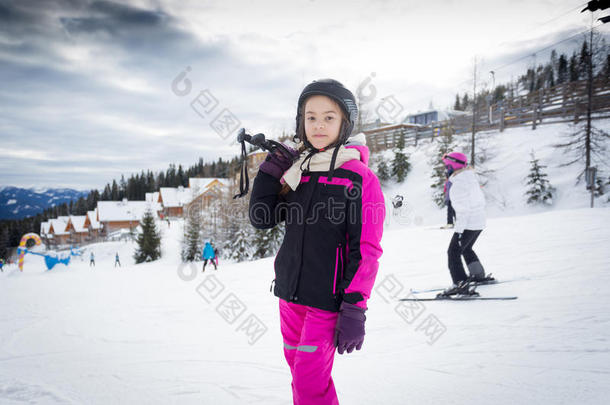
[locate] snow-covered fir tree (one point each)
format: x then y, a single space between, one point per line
276 237
240 246
439 172
149 240
267 241
540 190
191 242
383 171
400 163
261 243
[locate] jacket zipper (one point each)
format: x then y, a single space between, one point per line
338 254
315 180
341 260
271 286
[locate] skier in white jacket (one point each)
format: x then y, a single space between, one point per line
469 204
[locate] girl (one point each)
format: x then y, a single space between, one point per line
334 210
468 202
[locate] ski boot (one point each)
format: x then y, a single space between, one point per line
463 288
487 279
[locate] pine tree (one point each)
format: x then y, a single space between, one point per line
261 243
191 244
439 172
115 191
400 163
540 191
383 171
549 77
562 70
573 68
240 245
4 242
456 105
267 241
276 237
149 240
583 60
465 102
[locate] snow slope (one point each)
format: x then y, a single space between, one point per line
160 333
143 333
506 167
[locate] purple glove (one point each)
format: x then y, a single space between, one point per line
349 332
278 162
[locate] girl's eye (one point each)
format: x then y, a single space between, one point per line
329 118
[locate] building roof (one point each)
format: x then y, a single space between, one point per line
201 184
175 197
92 220
58 225
44 228
124 210
77 222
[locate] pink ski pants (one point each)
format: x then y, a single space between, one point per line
309 350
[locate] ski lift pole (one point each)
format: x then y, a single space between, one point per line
590 173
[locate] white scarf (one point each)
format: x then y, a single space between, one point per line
320 162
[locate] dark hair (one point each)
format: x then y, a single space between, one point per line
300 131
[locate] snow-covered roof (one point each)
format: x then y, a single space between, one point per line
92 219
200 185
78 223
175 197
58 225
44 228
124 210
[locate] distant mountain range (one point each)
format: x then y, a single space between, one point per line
17 203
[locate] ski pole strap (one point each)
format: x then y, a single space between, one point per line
244 182
332 163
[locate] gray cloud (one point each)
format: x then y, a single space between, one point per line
86 92
93 79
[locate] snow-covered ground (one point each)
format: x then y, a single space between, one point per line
146 334
160 333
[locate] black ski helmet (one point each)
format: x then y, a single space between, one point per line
336 91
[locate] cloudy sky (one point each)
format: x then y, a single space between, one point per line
93 89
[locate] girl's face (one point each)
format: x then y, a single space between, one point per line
322 121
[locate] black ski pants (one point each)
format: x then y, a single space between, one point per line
461 245
205 263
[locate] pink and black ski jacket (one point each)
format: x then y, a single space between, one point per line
331 246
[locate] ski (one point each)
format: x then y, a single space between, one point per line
460 298
478 283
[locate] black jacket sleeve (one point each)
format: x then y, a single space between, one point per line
265 209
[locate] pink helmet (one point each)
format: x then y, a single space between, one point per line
455 160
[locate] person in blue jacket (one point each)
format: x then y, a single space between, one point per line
208 254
